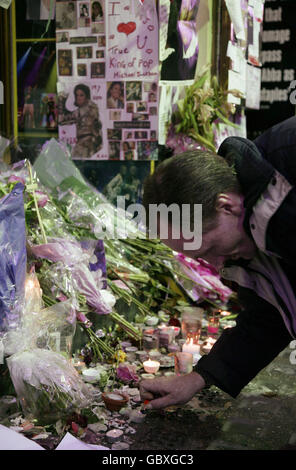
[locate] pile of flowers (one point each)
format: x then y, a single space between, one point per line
195 121
69 273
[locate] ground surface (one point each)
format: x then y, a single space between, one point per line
262 417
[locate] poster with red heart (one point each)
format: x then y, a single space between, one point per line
132 40
107 64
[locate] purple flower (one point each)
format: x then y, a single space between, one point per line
127 373
16 179
82 318
42 198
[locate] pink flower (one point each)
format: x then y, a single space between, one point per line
206 278
127 373
16 179
82 318
62 298
42 198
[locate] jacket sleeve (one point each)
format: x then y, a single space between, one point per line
242 351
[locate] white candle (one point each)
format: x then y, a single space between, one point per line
147 376
208 344
114 396
114 434
151 366
91 375
190 347
225 313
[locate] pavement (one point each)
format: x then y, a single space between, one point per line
262 417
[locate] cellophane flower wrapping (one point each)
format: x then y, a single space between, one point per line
13 258
85 206
47 385
206 279
78 258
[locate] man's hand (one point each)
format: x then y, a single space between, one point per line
167 391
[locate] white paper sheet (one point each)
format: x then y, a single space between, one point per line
164 11
12 440
254 87
70 442
236 81
5 3
236 15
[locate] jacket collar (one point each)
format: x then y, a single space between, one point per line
253 171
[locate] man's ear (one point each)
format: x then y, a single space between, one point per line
229 203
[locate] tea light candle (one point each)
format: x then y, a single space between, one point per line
225 313
91 375
131 353
208 344
114 435
169 374
154 355
114 396
147 376
142 355
125 344
151 366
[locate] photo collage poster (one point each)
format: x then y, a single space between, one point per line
107 64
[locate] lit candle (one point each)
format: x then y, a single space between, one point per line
190 347
79 365
224 313
213 325
208 344
114 434
151 367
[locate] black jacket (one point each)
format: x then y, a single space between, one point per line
266 169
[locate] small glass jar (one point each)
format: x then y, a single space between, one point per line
150 342
183 363
192 323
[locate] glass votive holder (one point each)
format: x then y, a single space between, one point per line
166 336
191 321
150 342
213 325
131 353
174 347
183 363
141 356
154 355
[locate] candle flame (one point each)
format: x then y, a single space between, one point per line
189 341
